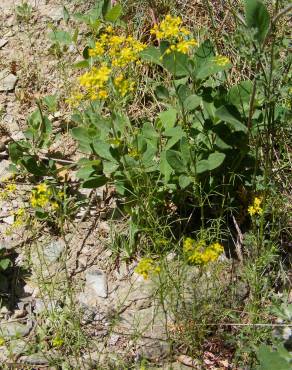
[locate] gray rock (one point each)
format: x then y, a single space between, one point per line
41 306
34 359
88 315
134 291
154 350
14 329
17 346
55 13
172 366
3 42
52 251
3 169
8 220
7 80
96 280
113 339
149 322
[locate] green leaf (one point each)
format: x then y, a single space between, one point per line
204 51
192 102
161 92
81 64
95 182
271 360
109 167
149 132
85 172
114 13
81 134
62 37
164 167
168 117
5 263
106 7
185 150
151 54
85 52
32 166
174 159
210 67
257 16
175 133
227 114
184 181
51 103
66 14
177 64
15 151
103 149
239 96
221 144
214 161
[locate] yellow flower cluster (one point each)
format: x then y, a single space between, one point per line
199 253
75 98
121 50
147 266
171 29
221 60
19 220
113 53
123 85
95 80
42 197
7 190
57 342
255 208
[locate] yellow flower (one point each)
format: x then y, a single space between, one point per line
94 81
97 50
184 46
10 188
74 99
199 253
147 266
57 342
40 197
221 60
133 153
109 29
255 208
188 244
55 206
168 28
2 341
123 85
102 94
42 188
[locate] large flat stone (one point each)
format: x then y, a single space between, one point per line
7 80
14 329
4 173
96 281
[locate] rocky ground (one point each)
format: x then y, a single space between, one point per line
116 306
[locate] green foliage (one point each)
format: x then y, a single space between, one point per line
278 358
23 11
38 135
257 17
4 261
196 158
